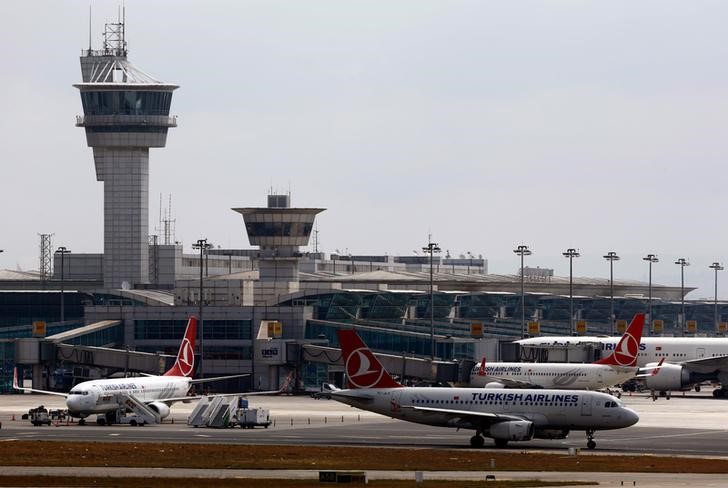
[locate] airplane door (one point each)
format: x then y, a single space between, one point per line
600 377
700 352
586 405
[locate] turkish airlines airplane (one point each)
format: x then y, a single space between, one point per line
688 361
618 367
156 392
504 416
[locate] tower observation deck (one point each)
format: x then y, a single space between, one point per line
126 111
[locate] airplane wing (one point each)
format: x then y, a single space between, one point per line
218 378
466 416
33 390
707 365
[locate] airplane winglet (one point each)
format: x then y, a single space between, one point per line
15 378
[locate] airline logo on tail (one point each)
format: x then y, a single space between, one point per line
626 350
481 369
363 369
185 363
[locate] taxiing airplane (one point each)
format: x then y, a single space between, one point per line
156 393
504 416
618 367
688 361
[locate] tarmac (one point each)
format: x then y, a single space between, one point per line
689 425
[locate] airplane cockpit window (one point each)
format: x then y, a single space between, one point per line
78 392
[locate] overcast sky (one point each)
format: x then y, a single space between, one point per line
594 125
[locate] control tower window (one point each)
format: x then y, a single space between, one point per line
279 229
128 102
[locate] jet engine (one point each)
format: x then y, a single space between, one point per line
161 408
668 377
551 433
513 430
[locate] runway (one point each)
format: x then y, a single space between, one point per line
682 426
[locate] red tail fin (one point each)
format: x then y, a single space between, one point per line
626 350
481 370
363 369
185 363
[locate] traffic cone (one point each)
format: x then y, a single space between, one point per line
13 418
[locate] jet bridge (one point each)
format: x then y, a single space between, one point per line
403 366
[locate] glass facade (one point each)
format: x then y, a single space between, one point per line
279 229
393 342
174 329
128 102
25 307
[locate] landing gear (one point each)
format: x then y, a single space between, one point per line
81 421
500 443
101 421
719 393
477 441
590 439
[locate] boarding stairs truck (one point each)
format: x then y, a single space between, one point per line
131 411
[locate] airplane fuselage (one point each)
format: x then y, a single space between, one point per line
100 396
547 409
553 375
651 350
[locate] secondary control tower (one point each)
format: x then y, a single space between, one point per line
279 230
126 112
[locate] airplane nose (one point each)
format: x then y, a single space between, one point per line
630 417
73 403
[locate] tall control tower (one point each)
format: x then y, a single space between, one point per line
126 112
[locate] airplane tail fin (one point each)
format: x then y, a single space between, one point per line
626 350
481 370
363 369
185 363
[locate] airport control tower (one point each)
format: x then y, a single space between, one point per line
126 112
279 230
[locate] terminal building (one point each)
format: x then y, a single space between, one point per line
272 309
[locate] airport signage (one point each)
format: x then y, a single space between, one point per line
476 329
39 328
534 328
581 327
692 326
658 326
621 326
270 351
723 327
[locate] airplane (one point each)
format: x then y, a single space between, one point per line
156 393
519 415
688 361
618 367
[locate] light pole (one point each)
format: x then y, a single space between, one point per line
203 246
431 249
716 267
522 251
62 251
652 258
682 262
611 257
571 254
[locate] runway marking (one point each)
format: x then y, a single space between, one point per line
114 435
8 440
687 434
202 435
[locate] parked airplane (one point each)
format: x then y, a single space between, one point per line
503 416
688 360
156 393
615 369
